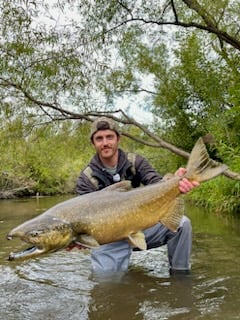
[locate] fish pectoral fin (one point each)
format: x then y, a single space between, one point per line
138 240
87 241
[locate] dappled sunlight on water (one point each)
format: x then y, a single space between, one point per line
60 285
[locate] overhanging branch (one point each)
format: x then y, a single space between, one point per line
208 24
124 119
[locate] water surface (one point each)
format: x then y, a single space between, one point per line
60 285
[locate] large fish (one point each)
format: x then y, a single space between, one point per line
114 213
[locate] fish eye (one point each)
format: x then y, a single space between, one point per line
35 233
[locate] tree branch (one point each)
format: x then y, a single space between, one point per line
159 142
174 11
209 26
124 119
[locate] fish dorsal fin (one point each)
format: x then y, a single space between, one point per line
168 176
87 241
174 214
200 167
138 240
121 186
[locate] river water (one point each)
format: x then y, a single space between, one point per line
60 285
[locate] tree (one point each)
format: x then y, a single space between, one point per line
58 71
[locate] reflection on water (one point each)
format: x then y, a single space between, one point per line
60 285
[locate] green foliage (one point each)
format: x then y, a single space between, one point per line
98 51
47 161
221 195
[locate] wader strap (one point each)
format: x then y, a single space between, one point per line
88 172
132 159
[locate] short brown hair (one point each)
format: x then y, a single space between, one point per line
103 123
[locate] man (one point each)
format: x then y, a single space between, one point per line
110 165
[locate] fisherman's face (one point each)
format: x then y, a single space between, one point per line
106 143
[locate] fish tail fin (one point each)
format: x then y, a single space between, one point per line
200 167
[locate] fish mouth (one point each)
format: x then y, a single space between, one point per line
29 252
26 253
35 251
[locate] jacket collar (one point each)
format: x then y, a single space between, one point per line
97 165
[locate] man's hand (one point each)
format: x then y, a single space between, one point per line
185 185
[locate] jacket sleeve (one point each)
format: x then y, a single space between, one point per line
145 171
84 184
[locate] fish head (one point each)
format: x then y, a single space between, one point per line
45 234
